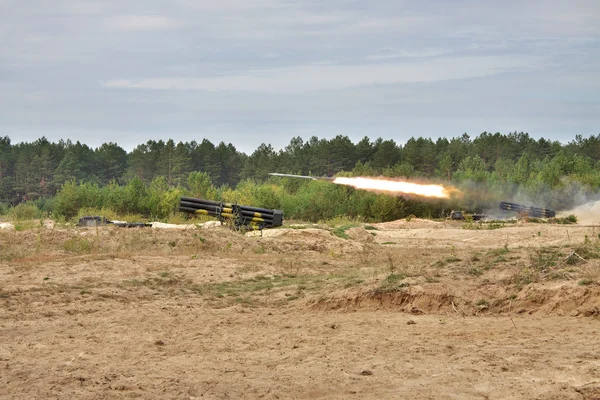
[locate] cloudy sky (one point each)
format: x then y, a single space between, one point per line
249 72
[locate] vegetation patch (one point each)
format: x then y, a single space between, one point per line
544 258
262 285
78 245
571 219
24 211
340 231
392 283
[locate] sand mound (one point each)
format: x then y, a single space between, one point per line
7 225
311 239
360 234
565 299
413 223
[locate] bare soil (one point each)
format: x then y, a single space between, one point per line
407 309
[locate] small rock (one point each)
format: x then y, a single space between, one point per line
366 372
159 343
411 322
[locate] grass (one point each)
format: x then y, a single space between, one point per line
340 231
452 259
262 285
495 225
163 280
490 225
482 303
590 275
448 260
499 252
51 244
392 283
544 258
571 219
342 220
78 245
260 249
587 251
26 225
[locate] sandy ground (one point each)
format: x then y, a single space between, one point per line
414 309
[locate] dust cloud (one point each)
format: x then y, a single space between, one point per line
587 214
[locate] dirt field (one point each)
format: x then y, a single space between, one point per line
407 309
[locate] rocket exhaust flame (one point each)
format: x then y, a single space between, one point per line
393 186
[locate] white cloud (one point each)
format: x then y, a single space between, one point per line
233 5
84 8
315 77
391 54
142 22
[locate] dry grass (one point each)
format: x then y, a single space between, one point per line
225 267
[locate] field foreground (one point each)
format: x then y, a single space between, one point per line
416 309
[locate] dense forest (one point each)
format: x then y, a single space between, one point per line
514 164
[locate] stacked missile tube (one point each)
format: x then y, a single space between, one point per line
238 215
534 212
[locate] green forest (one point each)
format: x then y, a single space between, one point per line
63 178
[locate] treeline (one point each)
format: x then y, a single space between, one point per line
39 169
515 164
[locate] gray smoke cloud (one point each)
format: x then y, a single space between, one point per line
568 198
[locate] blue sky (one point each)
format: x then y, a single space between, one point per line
249 72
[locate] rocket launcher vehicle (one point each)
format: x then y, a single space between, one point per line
237 215
530 211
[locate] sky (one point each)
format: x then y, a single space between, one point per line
263 71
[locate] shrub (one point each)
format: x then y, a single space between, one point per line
388 208
201 186
24 211
267 196
72 197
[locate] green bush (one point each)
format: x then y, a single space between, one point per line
388 208
24 211
267 196
73 196
45 204
201 186
245 193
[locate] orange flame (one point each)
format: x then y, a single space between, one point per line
392 186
